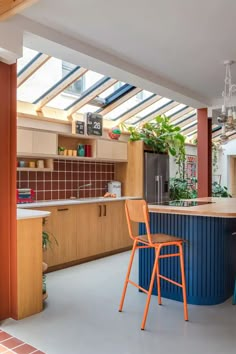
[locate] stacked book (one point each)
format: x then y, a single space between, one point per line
24 195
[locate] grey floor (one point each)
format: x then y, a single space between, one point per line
81 317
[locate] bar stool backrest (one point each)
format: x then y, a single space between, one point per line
137 211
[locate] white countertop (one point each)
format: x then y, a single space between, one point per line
31 214
71 202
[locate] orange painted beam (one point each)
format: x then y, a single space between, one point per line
10 8
8 294
204 153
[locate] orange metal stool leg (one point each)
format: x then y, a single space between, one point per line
127 276
150 289
183 282
158 283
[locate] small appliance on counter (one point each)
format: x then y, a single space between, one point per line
24 195
114 187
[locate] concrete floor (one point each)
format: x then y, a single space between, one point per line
81 317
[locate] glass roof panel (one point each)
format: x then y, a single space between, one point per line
42 80
111 89
88 108
28 55
184 116
130 103
74 91
149 109
175 109
189 125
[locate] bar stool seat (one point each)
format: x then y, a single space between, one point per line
137 211
159 238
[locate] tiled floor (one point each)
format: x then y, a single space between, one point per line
10 344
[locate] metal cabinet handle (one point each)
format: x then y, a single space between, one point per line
100 211
104 210
64 209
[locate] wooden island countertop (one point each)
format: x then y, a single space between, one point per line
220 207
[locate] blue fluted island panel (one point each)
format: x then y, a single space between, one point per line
210 252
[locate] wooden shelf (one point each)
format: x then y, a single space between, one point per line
36 169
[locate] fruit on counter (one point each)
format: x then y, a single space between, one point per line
109 195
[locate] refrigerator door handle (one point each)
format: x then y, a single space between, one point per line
161 189
157 187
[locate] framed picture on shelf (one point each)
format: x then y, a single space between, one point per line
78 127
94 123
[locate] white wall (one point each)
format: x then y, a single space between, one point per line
227 151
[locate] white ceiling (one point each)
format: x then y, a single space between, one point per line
183 42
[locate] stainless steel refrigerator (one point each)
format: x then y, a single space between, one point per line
156 177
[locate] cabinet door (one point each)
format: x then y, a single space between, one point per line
112 150
61 226
88 221
24 141
44 143
114 231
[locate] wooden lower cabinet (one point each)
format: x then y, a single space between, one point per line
85 230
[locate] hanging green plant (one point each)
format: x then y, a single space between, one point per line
161 136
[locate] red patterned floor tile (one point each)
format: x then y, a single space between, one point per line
24 349
4 335
12 343
2 349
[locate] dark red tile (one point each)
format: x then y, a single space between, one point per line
75 166
40 195
68 185
62 185
75 184
48 176
92 167
55 175
40 186
55 194
12 342
32 175
62 194
40 176
62 176
68 165
82 193
81 176
104 176
68 194
48 185
24 184
32 184
93 176
87 176
62 166
104 168
25 349
69 175
4 335
55 185
48 195
24 175
56 165
98 167
87 167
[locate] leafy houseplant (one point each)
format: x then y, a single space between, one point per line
161 136
220 191
183 188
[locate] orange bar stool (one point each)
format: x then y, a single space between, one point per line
137 211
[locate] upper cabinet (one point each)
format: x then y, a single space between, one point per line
39 143
36 142
112 150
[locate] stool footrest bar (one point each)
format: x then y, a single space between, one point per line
170 280
138 286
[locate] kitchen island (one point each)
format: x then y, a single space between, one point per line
210 249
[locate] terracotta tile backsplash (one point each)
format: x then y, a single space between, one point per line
63 182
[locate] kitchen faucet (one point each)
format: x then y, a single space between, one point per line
82 186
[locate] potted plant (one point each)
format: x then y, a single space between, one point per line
46 242
160 136
61 150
